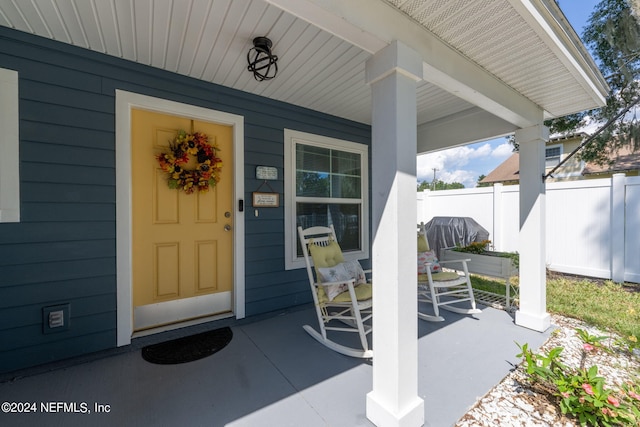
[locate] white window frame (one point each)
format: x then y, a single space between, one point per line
291 138
559 156
9 147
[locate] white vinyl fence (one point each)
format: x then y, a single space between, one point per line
593 226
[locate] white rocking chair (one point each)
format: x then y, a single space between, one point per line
342 302
445 288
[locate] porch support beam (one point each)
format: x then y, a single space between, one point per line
468 126
393 73
533 281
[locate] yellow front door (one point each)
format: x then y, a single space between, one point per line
182 260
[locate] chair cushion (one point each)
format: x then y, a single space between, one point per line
356 272
337 273
423 245
439 277
428 257
363 292
330 266
326 256
344 271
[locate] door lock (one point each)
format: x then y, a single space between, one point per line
227 214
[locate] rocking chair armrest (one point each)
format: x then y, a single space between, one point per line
350 282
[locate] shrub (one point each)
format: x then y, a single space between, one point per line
474 247
580 392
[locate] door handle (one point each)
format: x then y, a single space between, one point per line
227 227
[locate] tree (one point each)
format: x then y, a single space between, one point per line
479 182
439 185
448 185
424 185
312 184
613 35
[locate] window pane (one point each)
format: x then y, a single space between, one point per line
552 156
552 152
313 159
344 217
312 184
322 172
551 162
346 187
345 163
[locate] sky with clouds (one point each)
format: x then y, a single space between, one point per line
465 164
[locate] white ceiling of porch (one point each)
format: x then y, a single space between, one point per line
209 40
496 37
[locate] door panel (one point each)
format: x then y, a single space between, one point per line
165 203
206 270
166 278
181 249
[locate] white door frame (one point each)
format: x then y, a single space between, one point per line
125 101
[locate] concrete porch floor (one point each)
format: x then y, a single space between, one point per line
271 374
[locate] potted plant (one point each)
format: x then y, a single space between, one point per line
486 262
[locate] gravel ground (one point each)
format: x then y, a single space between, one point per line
513 403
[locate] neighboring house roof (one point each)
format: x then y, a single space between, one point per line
624 160
507 171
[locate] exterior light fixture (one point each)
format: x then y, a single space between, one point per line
262 63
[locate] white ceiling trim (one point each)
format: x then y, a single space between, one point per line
444 66
565 45
324 16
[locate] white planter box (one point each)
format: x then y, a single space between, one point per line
486 265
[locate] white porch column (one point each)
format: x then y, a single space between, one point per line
392 74
533 280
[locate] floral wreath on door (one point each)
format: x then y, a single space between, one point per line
206 173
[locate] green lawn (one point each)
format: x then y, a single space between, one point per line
604 304
487 284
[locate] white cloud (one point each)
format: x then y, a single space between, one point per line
448 159
449 165
468 178
463 164
502 151
483 150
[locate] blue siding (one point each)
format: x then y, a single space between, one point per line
64 250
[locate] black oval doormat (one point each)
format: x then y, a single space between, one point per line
187 349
